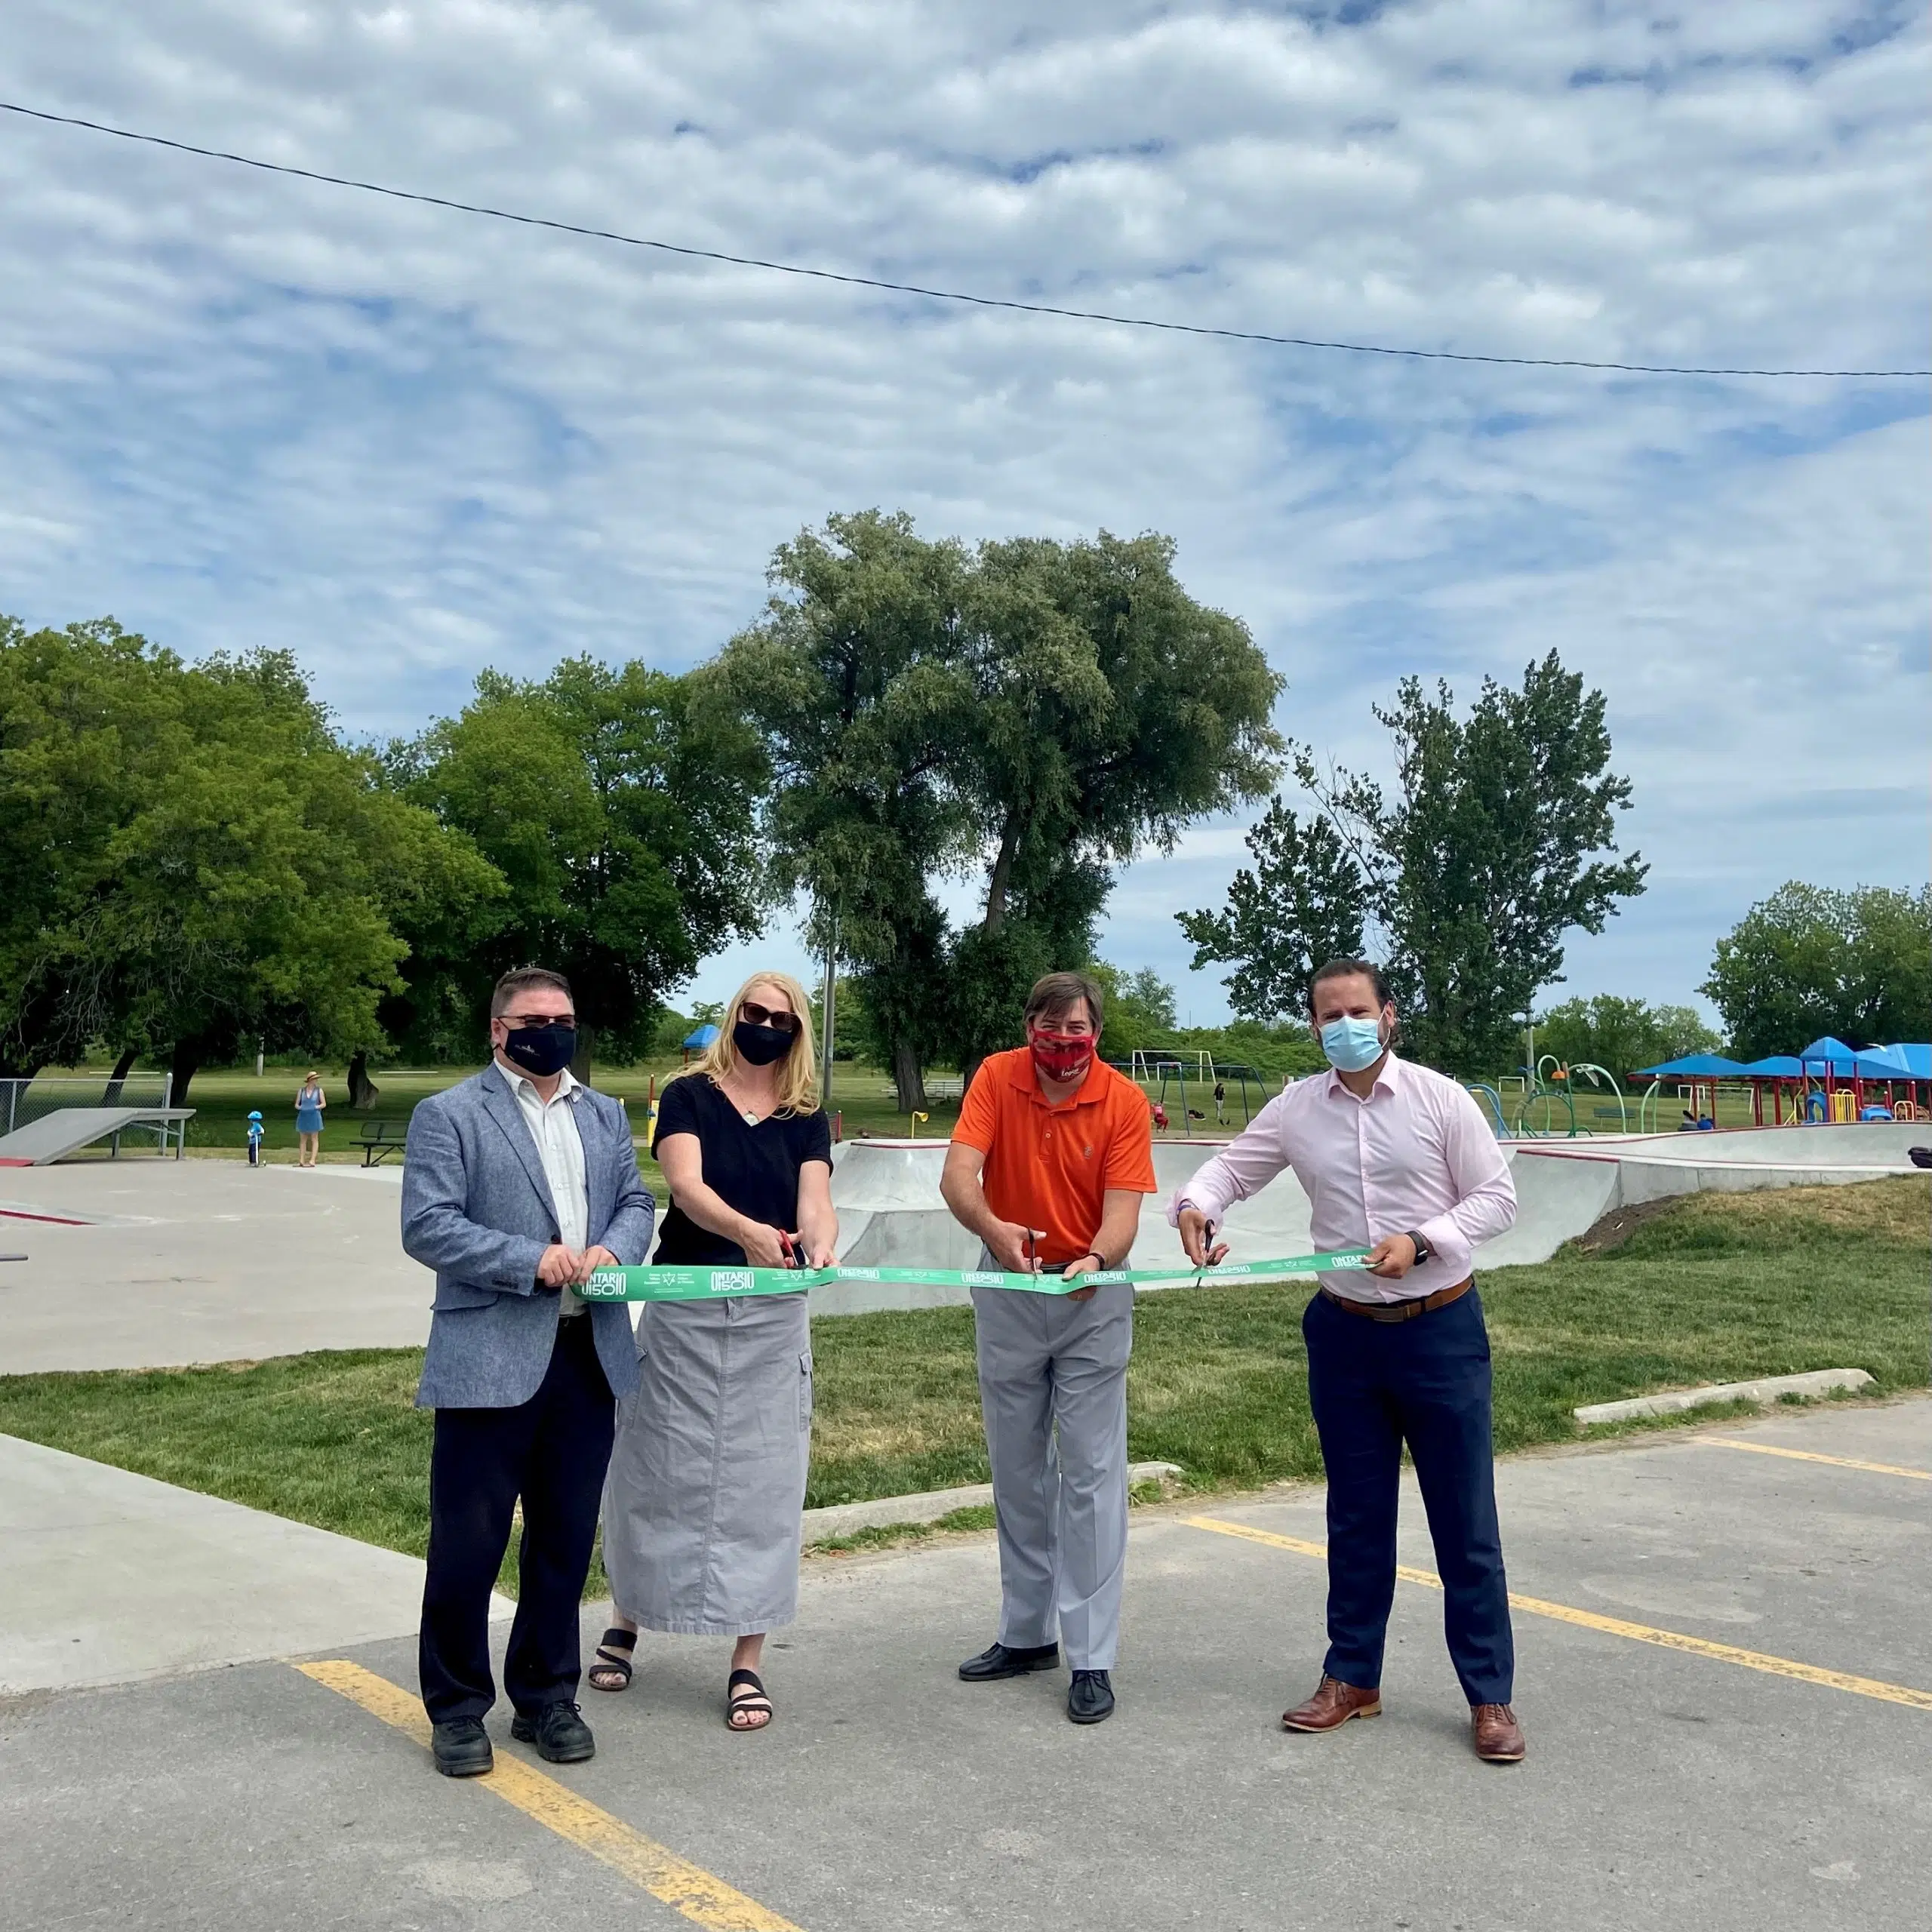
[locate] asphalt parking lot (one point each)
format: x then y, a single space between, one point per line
1726 1676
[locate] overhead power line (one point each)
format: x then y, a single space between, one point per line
930 294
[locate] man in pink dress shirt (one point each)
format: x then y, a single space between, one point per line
1396 1157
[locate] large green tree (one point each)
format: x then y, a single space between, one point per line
1029 714
1304 904
621 813
1809 960
1498 838
193 863
1621 1035
1140 1008
1110 709
852 680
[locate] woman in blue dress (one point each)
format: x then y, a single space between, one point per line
308 1105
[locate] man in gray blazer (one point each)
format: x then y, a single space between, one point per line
515 1184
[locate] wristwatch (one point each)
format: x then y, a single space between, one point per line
1423 1251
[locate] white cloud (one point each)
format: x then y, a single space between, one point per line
408 442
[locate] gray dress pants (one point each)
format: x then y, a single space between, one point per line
1053 1390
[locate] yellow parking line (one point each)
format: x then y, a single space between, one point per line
1614 1626
703 1900
1813 1455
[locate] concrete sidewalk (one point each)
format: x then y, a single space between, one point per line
1703 1786
108 1578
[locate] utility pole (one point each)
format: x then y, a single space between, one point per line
831 997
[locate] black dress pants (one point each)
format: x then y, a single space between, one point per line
552 1451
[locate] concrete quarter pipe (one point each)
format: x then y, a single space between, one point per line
890 1214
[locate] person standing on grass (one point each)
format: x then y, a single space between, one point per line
1397 1159
704 1513
516 1184
1047 1166
309 1105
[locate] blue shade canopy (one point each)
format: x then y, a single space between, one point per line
1826 1051
1900 1063
1694 1066
1908 1062
702 1037
1875 1063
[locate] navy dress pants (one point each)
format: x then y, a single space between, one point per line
1374 1386
552 1451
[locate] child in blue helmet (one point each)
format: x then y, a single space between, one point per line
255 1138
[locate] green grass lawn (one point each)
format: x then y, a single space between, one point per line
1715 1288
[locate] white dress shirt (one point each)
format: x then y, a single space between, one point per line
1416 1156
552 1125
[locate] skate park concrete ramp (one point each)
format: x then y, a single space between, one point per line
890 1214
56 1135
1563 1187
143 1263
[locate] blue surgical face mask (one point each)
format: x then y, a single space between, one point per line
1352 1044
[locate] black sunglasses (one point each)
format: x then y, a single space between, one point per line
780 1022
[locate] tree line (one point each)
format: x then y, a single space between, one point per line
198 862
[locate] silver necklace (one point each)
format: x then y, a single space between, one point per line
749 1115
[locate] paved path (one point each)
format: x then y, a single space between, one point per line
1706 1785
108 1578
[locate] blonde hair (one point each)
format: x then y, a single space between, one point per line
797 1071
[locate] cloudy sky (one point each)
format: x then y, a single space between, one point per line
236 409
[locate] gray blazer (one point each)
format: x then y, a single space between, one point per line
477 1209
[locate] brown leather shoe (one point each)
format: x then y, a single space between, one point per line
1499 1737
1333 1703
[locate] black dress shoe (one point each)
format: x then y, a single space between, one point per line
1000 1662
461 1748
1090 1698
559 1732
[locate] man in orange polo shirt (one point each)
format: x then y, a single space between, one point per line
1047 1166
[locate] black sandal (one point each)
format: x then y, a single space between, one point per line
613 1658
757 1702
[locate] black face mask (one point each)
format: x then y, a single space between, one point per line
761 1045
541 1051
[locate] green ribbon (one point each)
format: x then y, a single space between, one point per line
707 1283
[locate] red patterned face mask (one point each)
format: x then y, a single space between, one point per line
1061 1056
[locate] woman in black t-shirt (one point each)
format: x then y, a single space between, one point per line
702 1508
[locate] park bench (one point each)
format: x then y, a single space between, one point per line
380 1137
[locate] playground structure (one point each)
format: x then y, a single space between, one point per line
1162 1071
1828 1083
1523 1106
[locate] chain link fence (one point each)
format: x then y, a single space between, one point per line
24 1102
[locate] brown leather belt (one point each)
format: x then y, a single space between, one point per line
1401 1311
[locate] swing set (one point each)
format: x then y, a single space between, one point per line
1192 1075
